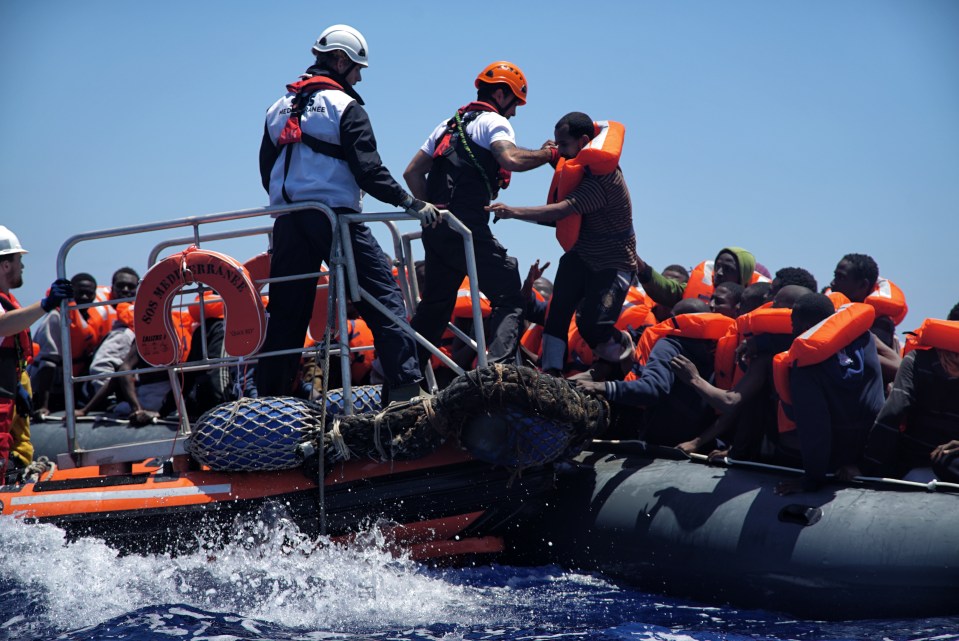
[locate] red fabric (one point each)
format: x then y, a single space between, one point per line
7 406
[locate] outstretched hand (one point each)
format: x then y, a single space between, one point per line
500 210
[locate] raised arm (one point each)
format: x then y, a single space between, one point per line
513 158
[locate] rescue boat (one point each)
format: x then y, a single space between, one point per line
721 535
444 504
179 484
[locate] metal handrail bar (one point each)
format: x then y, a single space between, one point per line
343 273
191 221
240 233
467 235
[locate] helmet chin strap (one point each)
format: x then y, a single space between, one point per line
503 109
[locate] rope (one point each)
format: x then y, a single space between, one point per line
377 426
337 442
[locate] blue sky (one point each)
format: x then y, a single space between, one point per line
799 130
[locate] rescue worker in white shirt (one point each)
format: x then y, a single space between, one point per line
318 144
16 349
462 166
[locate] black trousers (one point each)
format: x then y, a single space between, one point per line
498 275
597 295
301 240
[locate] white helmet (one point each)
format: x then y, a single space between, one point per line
9 243
345 38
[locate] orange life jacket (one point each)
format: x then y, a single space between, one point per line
941 334
888 300
764 320
601 157
700 283
704 325
157 329
464 302
817 344
637 310
21 341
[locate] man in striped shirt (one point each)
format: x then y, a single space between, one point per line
594 275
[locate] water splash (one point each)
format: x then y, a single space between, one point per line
273 574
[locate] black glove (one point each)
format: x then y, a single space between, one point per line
60 290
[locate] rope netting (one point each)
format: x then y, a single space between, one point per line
515 417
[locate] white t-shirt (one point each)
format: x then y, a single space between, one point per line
484 130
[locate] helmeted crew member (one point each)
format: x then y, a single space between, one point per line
16 348
318 144
596 272
462 165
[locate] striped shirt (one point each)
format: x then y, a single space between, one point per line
606 237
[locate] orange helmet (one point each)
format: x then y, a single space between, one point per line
506 73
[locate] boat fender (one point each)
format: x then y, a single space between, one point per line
600 156
244 315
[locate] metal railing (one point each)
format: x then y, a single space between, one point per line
344 282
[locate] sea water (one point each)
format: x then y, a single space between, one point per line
275 584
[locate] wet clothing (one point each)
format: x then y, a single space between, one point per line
834 404
925 399
674 412
455 182
303 239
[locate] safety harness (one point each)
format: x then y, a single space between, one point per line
457 126
292 133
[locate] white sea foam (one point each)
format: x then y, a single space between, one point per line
277 576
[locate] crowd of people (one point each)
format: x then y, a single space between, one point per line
725 358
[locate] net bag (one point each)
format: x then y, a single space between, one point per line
253 433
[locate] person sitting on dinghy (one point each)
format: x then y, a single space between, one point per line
753 297
925 401
595 273
732 264
726 298
747 410
46 370
672 412
834 386
792 276
857 276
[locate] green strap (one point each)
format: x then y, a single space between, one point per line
459 122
